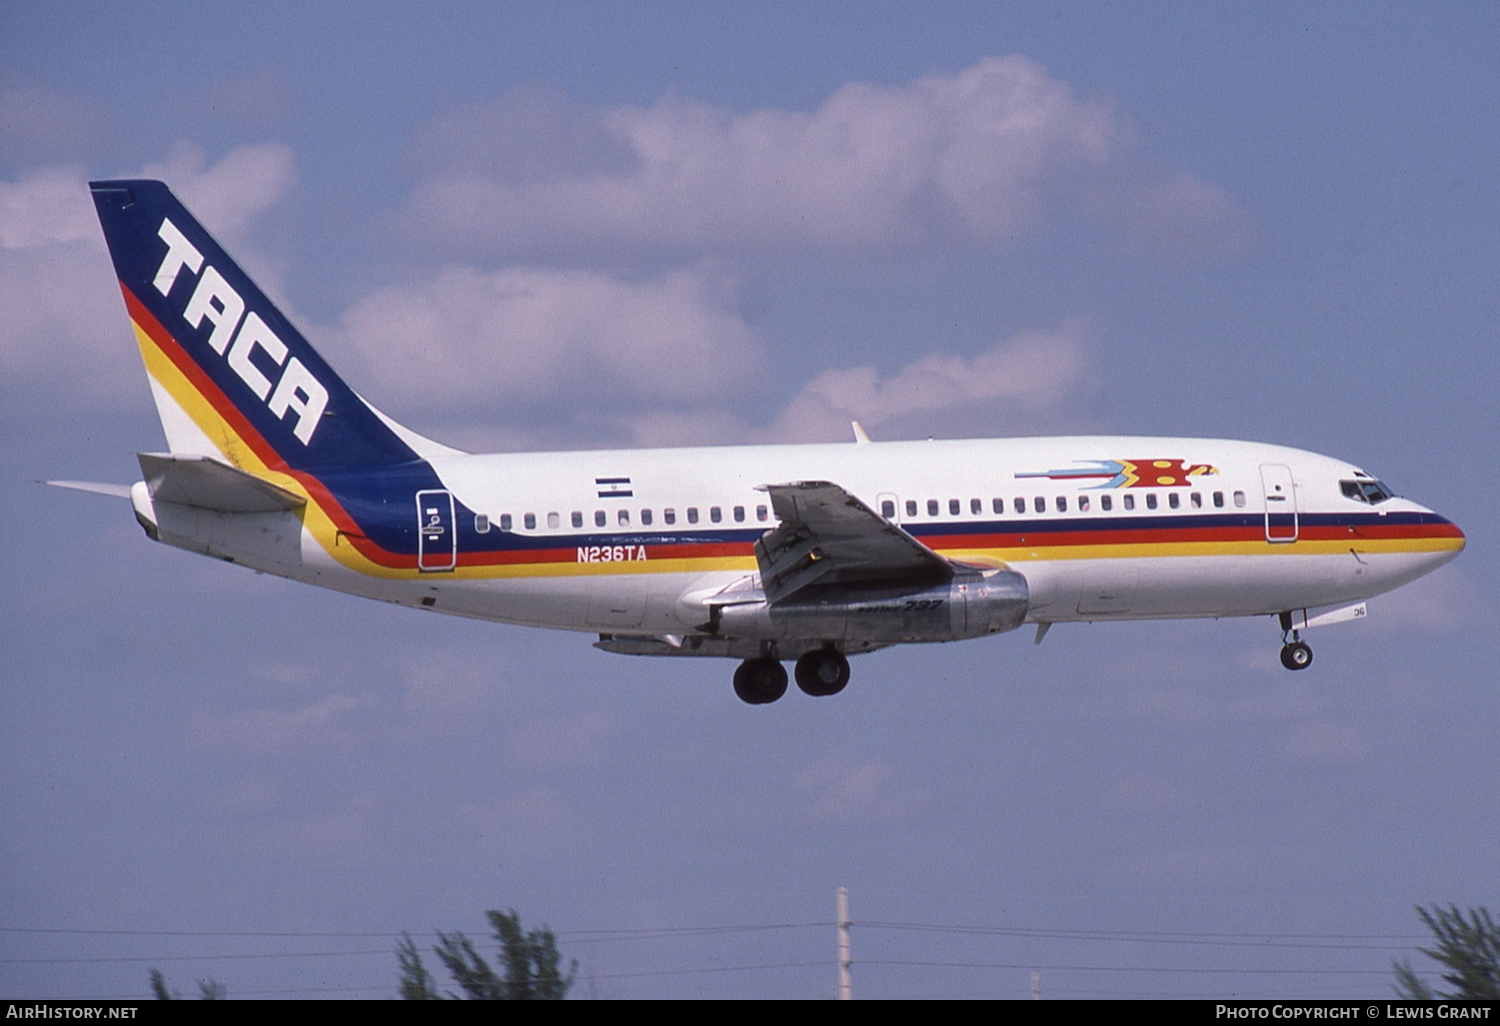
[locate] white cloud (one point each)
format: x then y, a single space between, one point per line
467 335
1028 368
1021 373
48 206
62 306
229 195
1446 602
974 156
262 729
844 792
552 741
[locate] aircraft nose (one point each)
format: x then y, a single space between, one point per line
1449 539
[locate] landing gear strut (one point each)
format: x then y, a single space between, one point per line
1296 654
822 671
760 681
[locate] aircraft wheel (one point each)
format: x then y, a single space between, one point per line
823 671
759 681
1296 656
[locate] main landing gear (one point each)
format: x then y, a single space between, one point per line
823 671
760 681
820 672
1296 654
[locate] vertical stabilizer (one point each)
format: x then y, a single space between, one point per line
231 376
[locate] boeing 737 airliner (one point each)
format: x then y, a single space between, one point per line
808 553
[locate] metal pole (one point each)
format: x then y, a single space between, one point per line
846 988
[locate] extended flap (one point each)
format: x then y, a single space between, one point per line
827 535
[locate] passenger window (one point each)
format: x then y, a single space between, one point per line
505 521
998 505
1150 500
1062 503
624 517
599 518
1173 500
911 507
1020 504
1083 504
1197 500
1128 501
888 509
645 518
739 514
692 514
715 514
760 513
530 521
1218 500
1239 500
577 518
932 507
953 507
975 506
554 521
669 515
481 523
1106 502
1039 504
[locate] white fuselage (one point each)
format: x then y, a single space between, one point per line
661 533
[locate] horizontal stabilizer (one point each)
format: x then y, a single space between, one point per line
207 483
97 487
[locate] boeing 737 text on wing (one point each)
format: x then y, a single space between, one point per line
803 553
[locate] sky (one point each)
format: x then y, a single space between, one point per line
579 225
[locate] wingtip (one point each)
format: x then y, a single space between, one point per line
860 437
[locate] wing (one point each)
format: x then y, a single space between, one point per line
828 536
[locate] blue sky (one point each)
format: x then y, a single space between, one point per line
536 226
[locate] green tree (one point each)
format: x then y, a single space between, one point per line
1468 945
208 990
529 961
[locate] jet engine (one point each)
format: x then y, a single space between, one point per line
969 605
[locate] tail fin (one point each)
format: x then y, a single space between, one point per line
230 375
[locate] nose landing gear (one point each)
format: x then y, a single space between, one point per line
1296 654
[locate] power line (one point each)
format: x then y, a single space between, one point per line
1133 934
1120 936
1124 968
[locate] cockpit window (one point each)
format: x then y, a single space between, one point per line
1367 490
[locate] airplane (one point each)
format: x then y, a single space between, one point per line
803 553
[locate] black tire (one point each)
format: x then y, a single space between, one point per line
760 681
822 672
1296 656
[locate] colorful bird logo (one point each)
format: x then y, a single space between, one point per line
1130 473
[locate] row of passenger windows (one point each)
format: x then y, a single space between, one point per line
1019 504
1038 504
622 518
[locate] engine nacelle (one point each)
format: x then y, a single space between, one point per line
970 605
